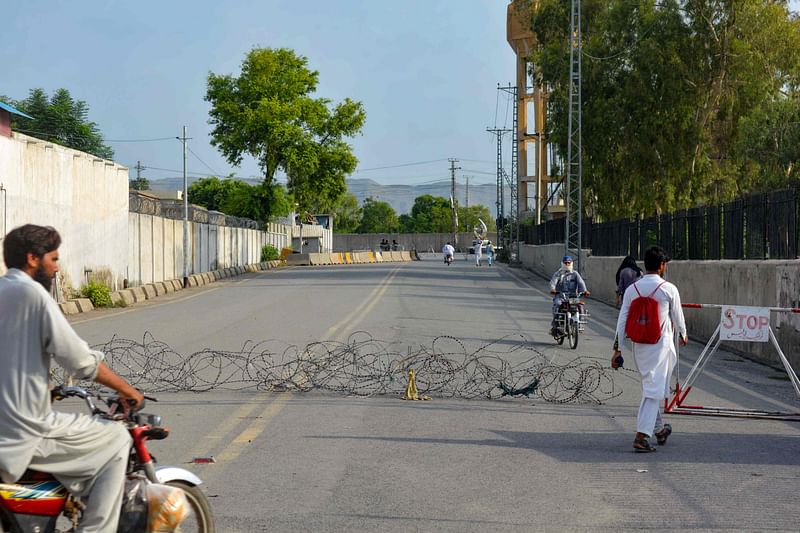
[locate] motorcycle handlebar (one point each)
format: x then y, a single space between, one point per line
60 392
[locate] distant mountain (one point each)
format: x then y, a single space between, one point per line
400 197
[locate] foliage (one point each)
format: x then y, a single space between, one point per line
237 198
139 184
429 214
99 294
346 214
468 218
62 120
269 253
377 217
673 93
268 112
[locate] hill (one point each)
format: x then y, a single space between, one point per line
400 197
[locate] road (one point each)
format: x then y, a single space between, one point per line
328 461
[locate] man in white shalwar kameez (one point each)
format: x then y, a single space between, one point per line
89 456
477 244
654 361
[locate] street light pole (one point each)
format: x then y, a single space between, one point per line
185 213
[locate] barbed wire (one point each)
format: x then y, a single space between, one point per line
365 366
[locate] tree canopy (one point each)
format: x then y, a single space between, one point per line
685 102
240 199
377 217
346 214
269 113
60 119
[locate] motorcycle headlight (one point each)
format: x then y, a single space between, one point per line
149 420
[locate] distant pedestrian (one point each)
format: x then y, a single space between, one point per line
448 251
477 244
627 273
655 355
489 253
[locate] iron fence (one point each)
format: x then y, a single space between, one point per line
756 226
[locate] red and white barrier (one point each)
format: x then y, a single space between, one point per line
737 324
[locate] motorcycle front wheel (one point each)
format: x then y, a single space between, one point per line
200 518
572 328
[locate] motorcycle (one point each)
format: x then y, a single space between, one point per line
570 320
448 259
38 503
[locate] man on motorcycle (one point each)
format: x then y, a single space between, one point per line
564 281
448 252
88 456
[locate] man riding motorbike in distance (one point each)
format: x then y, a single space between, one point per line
448 252
565 281
87 455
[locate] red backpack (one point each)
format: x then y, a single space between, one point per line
643 326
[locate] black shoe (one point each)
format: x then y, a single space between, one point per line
661 436
641 445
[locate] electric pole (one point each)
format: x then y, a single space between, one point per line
184 140
502 238
453 201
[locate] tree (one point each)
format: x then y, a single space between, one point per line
346 214
430 214
377 217
237 198
140 184
468 218
668 86
268 112
61 120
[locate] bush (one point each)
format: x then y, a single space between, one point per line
99 294
269 253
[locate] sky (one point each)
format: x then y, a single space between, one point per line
426 72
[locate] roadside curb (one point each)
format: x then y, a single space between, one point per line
151 291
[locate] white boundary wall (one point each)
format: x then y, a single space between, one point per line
84 197
156 247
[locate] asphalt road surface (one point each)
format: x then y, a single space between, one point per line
326 461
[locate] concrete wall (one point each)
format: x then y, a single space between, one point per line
156 247
769 283
84 197
422 242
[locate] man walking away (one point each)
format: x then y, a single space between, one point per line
651 313
490 253
477 244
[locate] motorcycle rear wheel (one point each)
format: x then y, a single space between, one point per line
201 519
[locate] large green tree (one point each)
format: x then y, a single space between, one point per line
346 214
60 119
429 214
238 198
670 87
269 112
377 217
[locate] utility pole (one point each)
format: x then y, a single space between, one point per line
466 200
184 140
502 234
453 201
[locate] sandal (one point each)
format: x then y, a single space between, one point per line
641 445
661 436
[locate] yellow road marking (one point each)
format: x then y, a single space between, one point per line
369 302
210 441
237 445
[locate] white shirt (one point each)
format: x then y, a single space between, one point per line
448 249
32 330
655 361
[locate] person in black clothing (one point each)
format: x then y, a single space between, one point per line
627 273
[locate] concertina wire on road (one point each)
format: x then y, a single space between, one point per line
365 366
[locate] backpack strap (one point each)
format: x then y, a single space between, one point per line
655 290
637 289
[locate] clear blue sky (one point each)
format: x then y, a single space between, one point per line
425 70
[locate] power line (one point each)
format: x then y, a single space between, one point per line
204 163
400 165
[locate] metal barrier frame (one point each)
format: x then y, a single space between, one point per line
676 405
